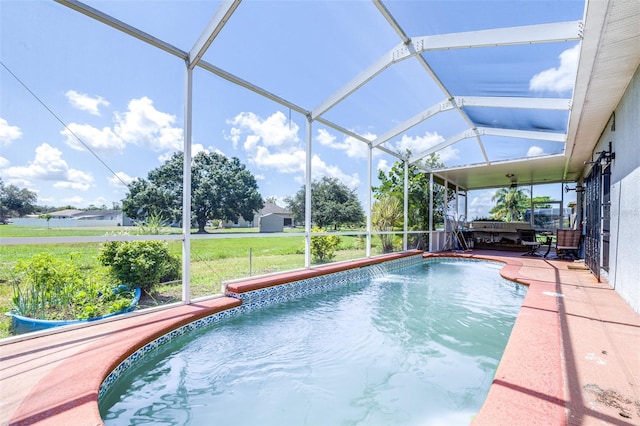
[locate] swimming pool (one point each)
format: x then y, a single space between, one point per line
418 345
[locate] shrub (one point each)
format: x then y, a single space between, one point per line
323 247
48 288
140 263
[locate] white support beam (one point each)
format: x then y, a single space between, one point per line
307 195
125 28
405 205
481 131
250 86
523 134
186 184
481 146
392 21
360 80
431 233
464 101
528 34
445 105
513 102
369 199
469 133
212 30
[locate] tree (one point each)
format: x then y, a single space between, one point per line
46 216
543 202
332 204
392 185
386 214
511 203
221 188
323 247
16 201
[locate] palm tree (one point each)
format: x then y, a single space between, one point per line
385 215
511 203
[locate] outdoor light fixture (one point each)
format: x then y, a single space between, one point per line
578 188
513 179
604 157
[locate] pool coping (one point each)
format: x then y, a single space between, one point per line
56 378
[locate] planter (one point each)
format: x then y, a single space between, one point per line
21 324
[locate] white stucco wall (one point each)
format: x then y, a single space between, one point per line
624 272
65 223
271 223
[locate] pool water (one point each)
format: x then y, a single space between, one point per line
416 346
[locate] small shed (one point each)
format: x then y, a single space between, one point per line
271 222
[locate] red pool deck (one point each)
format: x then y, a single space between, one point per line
573 357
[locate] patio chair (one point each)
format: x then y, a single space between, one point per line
528 239
568 243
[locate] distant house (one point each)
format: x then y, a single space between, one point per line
269 208
77 218
271 223
238 223
99 215
65 214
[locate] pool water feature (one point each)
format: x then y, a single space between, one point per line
418 345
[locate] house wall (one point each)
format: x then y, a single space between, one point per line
271 223
65 223
625 197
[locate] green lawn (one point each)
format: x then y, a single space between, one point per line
213 261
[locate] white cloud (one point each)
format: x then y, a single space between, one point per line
141 125
275 131
48 165
144 125
74 185
353 147
480 204
117 181
86 102
558 79
535 151
99 201
197 147
273 143
103 141
74 201
319 169
8 133
4 162
285 162
383 165
420 144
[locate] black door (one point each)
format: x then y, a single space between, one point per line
597 214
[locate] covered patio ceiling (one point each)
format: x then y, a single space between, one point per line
494 97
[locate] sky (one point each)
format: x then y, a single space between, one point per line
85 109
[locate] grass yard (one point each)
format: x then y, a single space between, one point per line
213 261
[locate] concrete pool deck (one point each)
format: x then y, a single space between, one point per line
573 357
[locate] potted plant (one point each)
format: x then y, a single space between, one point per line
50 292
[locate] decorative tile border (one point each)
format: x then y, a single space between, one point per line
440 259
268 296
296 289
160 341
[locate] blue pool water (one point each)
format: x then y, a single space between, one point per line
416 346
